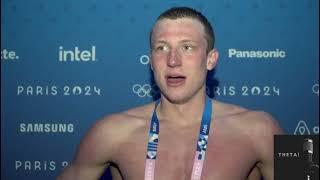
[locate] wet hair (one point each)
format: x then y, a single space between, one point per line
186 12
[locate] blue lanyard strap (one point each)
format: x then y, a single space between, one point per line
201 143
204 129
153 135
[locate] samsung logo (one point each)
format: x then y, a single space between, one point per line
46 128
234 53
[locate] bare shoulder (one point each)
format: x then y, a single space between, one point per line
257 123
98 147
123 123
256 127
130 118
108 133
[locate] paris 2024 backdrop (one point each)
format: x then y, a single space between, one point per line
66 64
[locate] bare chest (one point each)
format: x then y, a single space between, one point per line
228 157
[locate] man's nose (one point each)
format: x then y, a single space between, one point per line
174 59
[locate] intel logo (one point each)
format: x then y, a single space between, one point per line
77 55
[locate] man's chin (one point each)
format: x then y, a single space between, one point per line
176 99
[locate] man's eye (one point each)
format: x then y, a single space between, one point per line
187 47
161 48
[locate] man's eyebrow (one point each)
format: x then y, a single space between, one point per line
160 41
182 41
188 41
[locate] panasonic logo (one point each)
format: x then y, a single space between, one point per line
46 128
234 53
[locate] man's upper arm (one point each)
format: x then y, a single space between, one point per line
93 153
266 128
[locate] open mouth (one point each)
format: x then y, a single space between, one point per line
175 80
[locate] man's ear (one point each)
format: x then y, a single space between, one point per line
212 59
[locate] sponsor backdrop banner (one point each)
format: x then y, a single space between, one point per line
67 64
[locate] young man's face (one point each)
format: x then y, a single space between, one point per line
179 58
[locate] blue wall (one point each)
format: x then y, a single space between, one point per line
41 89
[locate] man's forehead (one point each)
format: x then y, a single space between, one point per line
177 26
186 21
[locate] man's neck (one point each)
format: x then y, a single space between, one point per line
183 114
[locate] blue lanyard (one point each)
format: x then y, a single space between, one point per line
201 143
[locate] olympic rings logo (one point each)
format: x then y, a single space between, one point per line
144 59
315 89
145 90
